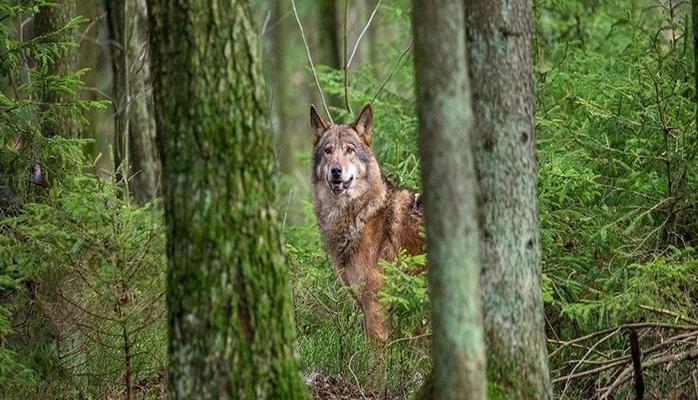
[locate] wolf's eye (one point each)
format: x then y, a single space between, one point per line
328 150
350 150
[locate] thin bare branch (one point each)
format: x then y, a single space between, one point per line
670 313
358 384
569 379
346 63
392 71
638 325
363 32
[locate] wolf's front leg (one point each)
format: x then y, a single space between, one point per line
374 321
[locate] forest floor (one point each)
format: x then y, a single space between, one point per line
332 388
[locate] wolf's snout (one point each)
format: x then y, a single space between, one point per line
336 172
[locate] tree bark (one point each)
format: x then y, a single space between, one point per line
499 48
134 126
694 17
280 80
47 22
228 298
328 34
448 173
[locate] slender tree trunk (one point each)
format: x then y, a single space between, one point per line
87 58
499 45
328 34
229 311
127 360
116 23
694 17
47 22
134 126
277 55
143 155
445 119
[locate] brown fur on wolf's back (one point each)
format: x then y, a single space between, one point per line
362 216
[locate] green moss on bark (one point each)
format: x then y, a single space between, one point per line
445 121
499 48
230 319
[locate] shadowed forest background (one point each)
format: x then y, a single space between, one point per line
83 258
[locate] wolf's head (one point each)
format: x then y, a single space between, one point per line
343 163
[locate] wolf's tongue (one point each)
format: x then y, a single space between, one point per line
336 188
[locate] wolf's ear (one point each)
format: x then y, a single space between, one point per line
319 125
364 124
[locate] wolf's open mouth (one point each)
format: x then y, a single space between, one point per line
338 187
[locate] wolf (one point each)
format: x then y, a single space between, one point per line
363 217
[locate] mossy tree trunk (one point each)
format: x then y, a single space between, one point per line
499 49
228 297
48 21
694 17
134 126
448 174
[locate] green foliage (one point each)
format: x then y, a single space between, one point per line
616 124
405 294
12 372
97 265
81 267
388 84
331 338
616 142
80 264
26 77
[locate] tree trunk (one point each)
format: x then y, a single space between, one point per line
499 46
694 16
87 58
230 317
329 30
47 21
280 79
134 126
445 119
328 34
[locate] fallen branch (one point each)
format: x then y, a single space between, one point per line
618 361
567 382
670 313
627 373
639 325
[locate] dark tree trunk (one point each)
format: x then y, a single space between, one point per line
228 298
694 17
134 126
328 34
47 22
499 48
445 120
